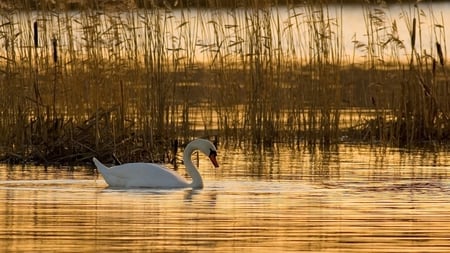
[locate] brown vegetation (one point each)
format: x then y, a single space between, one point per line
130 83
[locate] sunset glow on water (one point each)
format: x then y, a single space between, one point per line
352 199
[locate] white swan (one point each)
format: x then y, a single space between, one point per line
153 175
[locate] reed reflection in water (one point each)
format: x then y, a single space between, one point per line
351 199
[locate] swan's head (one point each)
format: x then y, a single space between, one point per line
207 148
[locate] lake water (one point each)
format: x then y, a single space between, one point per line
348 198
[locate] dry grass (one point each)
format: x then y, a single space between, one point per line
134 82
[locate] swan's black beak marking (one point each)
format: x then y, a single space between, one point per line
212 157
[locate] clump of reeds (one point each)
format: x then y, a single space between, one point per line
131 82
416 109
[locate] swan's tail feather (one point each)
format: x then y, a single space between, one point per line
102 168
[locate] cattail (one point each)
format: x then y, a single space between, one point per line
413 34
434 66
55 50
36 37
439 52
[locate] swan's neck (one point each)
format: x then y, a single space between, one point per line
197 181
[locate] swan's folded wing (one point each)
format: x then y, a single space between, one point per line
145 175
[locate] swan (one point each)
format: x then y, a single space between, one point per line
151 175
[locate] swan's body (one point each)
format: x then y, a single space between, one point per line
152 175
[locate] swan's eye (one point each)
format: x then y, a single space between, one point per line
212 152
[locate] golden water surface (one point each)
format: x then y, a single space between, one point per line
345 199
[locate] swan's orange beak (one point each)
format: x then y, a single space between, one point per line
212 157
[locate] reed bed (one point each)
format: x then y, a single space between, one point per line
136 83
